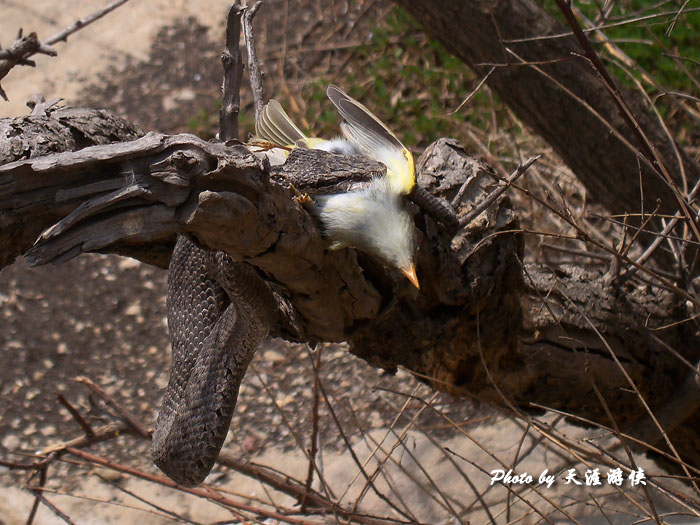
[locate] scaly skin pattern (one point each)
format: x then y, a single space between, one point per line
218 314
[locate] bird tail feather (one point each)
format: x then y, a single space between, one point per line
275 126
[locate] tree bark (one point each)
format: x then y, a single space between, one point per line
37 135
481 325
560 96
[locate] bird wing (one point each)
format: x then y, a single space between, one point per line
374 139
274 125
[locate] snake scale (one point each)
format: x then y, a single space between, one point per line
219 311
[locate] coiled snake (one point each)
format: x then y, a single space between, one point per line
219 311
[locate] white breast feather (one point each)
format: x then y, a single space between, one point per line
372 220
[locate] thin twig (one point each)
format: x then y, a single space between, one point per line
23 48
292 487
18 53
354 457
289 486
625 249
293 431
473 92
159 508
36 465
667 230
35 505
676 94
577 253
677 57
567 34
376 446
40 498
669 30
683 402
516 460
82 422
625 446
202 491
474 212
478 496
644 145
660 234
445 503
635 389
313 450
109 500
390 456
584 236
123 413
103 433
82 22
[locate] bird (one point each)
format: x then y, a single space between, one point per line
373 219
373 139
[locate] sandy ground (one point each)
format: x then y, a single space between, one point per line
104 317
410 477
125 33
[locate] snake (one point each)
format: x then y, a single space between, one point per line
219 311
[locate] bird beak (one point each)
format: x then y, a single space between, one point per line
410 274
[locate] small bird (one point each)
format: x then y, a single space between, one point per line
372 219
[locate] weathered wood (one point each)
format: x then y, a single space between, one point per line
232 62
574 323
127 197
480 325
36 135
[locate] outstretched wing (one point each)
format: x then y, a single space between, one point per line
362 119
374 139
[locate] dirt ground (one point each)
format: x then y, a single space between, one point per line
123 36
103 317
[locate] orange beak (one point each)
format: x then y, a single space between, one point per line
410 274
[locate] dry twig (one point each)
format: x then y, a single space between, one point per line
24 47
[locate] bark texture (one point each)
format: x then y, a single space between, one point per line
37 135
598 147
481 325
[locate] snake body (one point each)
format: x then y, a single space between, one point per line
214 335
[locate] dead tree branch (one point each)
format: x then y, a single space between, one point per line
253 65
18 54
233 74
36 135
